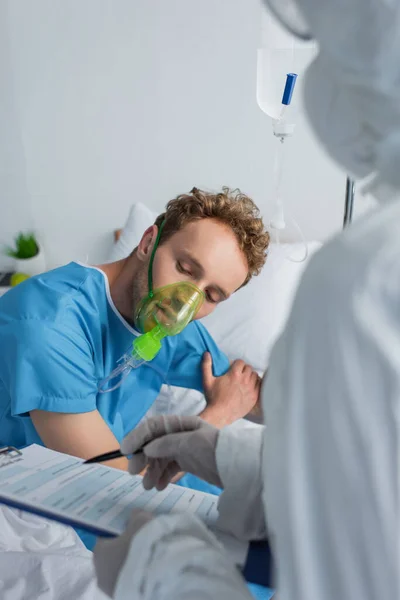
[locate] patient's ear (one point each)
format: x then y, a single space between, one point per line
147 242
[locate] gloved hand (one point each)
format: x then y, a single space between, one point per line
171 444
110 554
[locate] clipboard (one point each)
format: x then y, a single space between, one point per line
99 499
9 454
95 497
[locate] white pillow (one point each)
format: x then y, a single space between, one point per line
245 326
139 219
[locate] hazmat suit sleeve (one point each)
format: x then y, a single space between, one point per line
240 507
176 556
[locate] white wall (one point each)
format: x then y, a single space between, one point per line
105 102
15 209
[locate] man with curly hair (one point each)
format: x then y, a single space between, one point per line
64 331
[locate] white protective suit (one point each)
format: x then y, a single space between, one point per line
325 473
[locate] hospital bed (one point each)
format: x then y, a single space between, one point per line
42 560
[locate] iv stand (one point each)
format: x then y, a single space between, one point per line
349 202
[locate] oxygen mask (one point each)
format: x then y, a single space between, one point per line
164 311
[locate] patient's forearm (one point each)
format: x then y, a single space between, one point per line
215 417
178 477
79 434
220 420
118 463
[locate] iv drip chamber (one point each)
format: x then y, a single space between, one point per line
279 53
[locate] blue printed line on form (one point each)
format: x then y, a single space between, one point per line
32 482
169 502
204 509
107 503
121 519
70 496
10 472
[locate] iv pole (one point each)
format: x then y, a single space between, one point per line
349 202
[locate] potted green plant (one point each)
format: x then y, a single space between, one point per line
28 256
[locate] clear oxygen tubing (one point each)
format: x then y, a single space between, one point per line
121 372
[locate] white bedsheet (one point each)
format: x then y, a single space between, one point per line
43 560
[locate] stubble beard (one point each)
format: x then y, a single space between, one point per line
139 289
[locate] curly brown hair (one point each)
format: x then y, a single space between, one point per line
230 207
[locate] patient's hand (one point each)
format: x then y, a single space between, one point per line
256 414
231 396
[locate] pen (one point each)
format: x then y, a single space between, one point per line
108 456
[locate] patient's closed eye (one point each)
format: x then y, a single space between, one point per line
215 295
182 269
212 297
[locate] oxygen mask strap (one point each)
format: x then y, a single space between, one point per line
153 253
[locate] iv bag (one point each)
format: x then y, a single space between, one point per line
279 54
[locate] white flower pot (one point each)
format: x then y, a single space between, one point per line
31 266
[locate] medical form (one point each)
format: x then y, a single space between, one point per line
95 497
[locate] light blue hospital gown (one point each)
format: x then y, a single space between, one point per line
60 334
